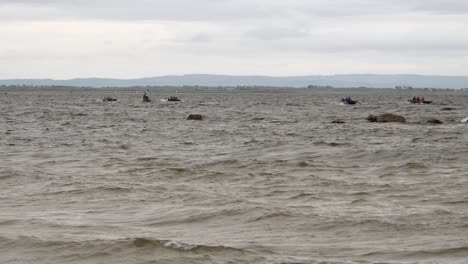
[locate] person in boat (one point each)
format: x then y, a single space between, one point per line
146 97
422 99
414 99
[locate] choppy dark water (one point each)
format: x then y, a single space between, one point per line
265 178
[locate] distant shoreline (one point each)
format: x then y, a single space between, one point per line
213 80
221 89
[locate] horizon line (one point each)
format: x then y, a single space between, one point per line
235 75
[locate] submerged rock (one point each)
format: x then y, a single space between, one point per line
109 99
434 121
195 117
447 109
383 118
338 122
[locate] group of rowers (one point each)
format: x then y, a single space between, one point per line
173 99
348 100
417 99
145 98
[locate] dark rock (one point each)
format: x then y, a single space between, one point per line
371 118
195 117
447 109
109 99
383 118
434 121
338 122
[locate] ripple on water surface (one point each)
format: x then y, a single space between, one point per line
264 178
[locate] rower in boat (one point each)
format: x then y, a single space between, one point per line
145 98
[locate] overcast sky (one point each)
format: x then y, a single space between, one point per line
142 38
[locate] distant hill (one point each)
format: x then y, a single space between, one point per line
339 81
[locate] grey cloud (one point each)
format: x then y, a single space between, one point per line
200 38
219 10
437 6
179 10
153 31
276 33
268 42
314 46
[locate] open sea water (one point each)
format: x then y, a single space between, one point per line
264 178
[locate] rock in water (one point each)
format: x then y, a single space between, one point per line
434 121
338 121
383 118
195 117
372 118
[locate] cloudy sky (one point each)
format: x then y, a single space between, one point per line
143 38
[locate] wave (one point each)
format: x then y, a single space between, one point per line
180 246
277 213
392 170
8 222
331 144
452 252
10 173
272 215
359 201
455 202
101 245
198 217
304 195
414 165
8 176
141 250
85 190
